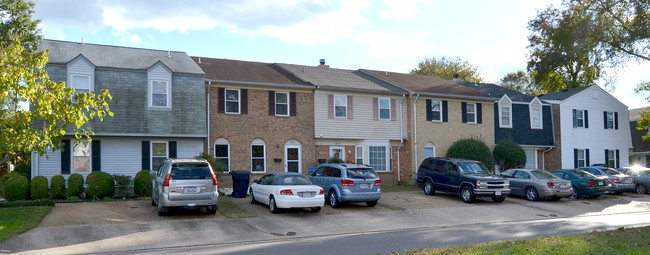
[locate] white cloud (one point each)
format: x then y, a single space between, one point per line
391 46
131 38
402 9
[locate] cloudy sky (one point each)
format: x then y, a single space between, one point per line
390 35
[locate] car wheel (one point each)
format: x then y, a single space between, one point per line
371 203
272 206
334 199
498 199
211 211
576 193
252 198
153 202
467 194
531 194
428 188
162 211
641 189
315 209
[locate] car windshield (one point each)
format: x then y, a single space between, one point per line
293 180
611 171
543 175
185 171
361 173
472 168
582 174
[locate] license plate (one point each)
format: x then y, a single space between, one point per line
306 194
364 186
564 186
497 193
628 181
600 183
191 190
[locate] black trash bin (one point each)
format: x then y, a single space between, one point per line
240 180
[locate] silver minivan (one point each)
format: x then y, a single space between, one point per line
184 183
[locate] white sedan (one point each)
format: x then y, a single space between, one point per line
287 190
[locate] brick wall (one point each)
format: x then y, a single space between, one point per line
553 158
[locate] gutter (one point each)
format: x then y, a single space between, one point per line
401 131
415 131
544 158
207 106
491 99
265 84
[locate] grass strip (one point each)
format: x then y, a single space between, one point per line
17 220
230 209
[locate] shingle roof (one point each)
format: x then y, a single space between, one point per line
425 83
61 52
326 77
564 94
635 114
247 71
498 91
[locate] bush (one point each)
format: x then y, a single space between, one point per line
23 203
335 160
16 188
4 179
75 185
473 149
24 169
38 188
218 166
57 186
142 184
123 182
100 185
509 155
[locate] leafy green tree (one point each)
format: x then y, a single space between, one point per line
16 22
508 155
446 68
521 82
471 148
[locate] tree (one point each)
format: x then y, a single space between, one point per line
473 149
55 109
508 155
446 68
521 82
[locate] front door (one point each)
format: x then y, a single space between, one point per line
292 159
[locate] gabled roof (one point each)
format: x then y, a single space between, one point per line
498 91
246 71
340 79
564 94
425 84
62 52
635 114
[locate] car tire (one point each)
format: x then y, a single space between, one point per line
334 199
211 211
273 207
371 203
162 211
253 201
641 189
467 194
532 194
428 188
576 193
153 202
498 199
315 209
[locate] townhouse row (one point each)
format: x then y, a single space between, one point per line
273 117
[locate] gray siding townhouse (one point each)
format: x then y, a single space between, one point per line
522 119
158 100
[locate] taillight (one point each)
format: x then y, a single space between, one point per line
550 185
286 192
378 183
321 192
591 184
166 181
347 182
616 181
214 180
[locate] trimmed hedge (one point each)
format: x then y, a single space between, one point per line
100 185
23 203
16 188
4 179
142 184
38 188
57 187
75 185
473 149
508 155
24 169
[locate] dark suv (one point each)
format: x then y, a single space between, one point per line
468 178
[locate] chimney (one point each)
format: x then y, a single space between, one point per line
455 76
322 63
456 79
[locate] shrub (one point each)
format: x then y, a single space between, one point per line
16 188
38 188
509 155
24 169
57 186
142 183
75 185
100 185
473 149
123 182
4 179
23 203
335 160
218 166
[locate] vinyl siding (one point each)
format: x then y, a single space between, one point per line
81 66
159 72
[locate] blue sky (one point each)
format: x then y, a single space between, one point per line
390 35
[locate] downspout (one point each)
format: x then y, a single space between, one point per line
207 106
401 138
415 132
544 158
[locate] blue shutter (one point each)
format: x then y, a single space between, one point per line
605 120
586 119
65 156
172 149
616 120
96 155
618 162
575 158
146 156
444 111
607 158
479 113
463 105
587 158
429 112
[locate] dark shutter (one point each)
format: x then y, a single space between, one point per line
292 103
607 158
221 94
429 112
616 120
244 101
271 102
605 119
586 119
444 111
618 161
97 158
575 158
172 149
146 156
575 118
463 107
587 158
479 113
65 156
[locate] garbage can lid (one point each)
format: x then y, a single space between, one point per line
238 174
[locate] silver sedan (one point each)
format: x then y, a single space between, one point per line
536 184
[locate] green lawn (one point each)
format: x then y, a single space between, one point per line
622 241
18 220
229 209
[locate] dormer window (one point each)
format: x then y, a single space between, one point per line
505 112
81 83
535 108
159 87
159 93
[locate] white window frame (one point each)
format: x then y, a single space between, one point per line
584 157
386 158
505 119
358 155
439 111
431 147
380 108
582 118
263 158
611 158
473 112
227 151
73 85
341 149
345 98
151 156
535 104
225 101
612 120
88 156
167 93
286 104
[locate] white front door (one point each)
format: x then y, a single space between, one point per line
338 152
292 159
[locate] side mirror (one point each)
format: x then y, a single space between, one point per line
153 173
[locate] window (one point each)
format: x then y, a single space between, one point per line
222 154
611 158
384 109
232 101
505 112
436 110
258 162
281 104
359 154
471 113
81 83
377 158
158 154
340 106
535 114
429 150
609 120
579 118
81 157
531 158
581 158
159 93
